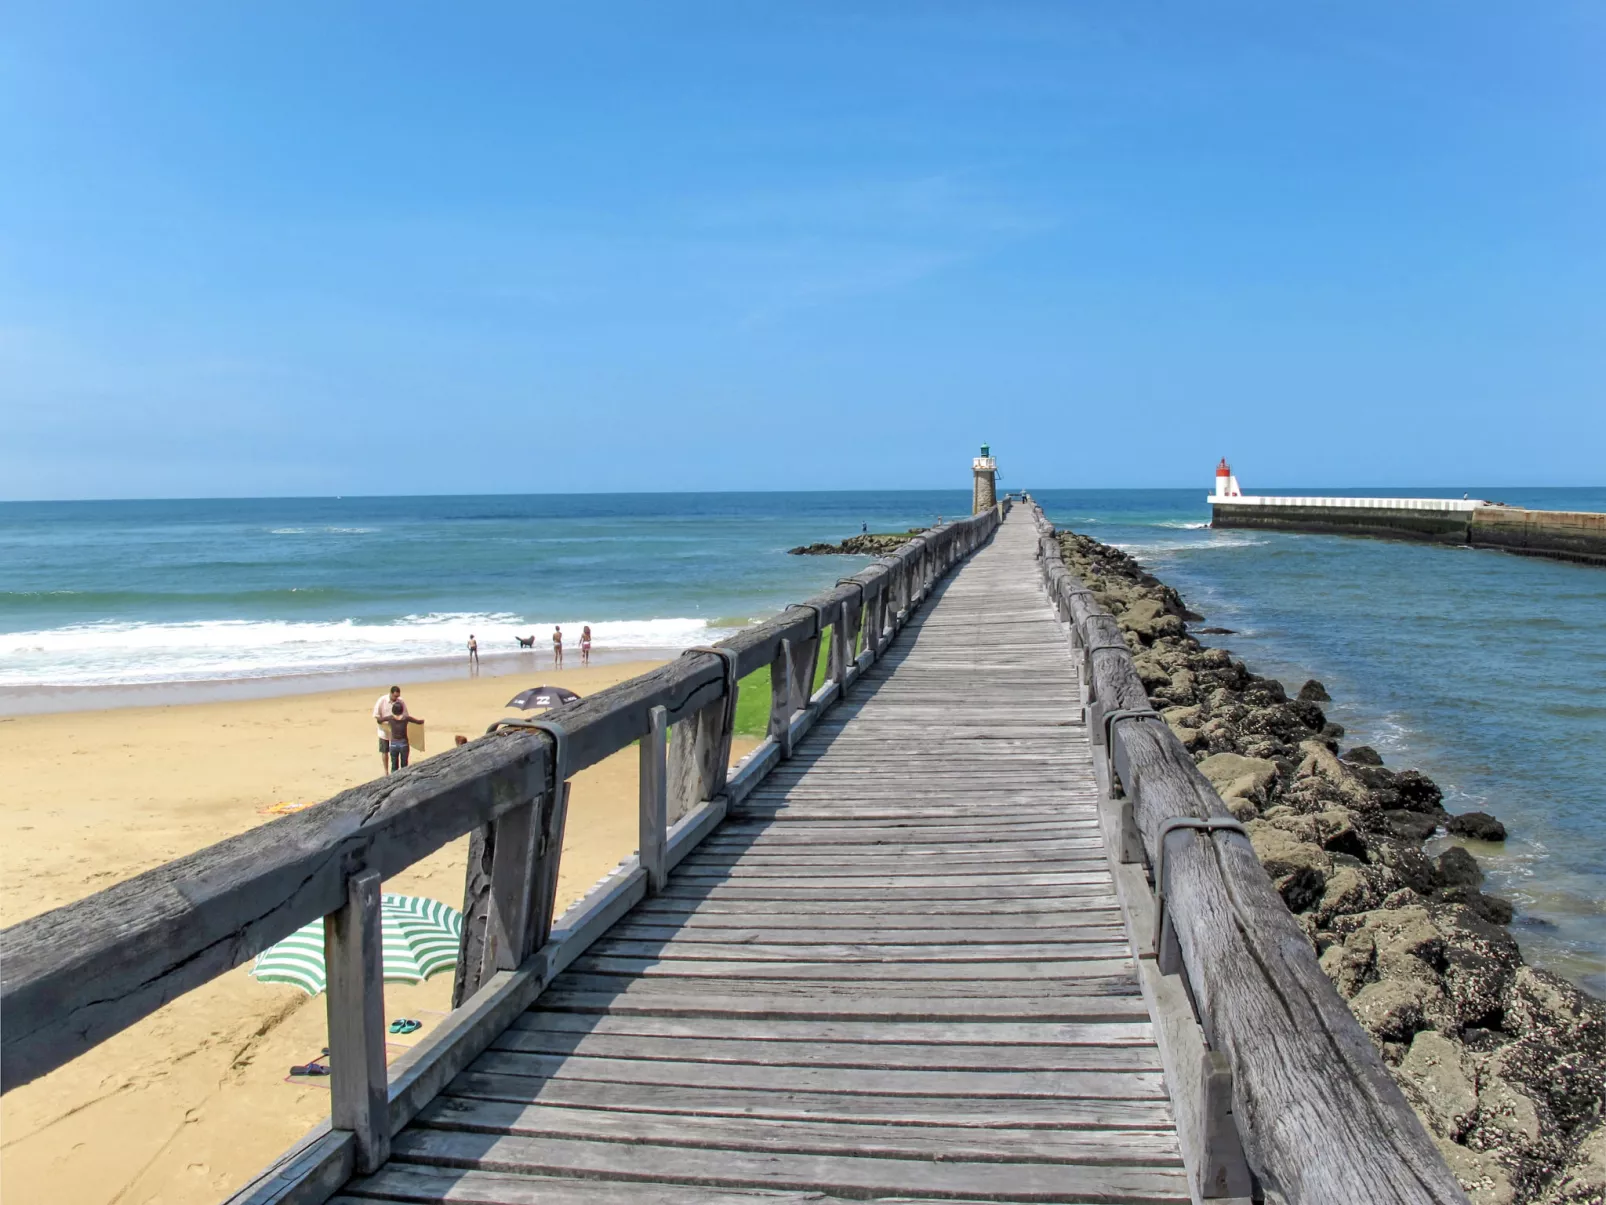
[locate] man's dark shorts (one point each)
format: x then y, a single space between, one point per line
384 745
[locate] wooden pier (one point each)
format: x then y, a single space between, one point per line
911 948
898 968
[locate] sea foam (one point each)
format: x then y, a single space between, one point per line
128 653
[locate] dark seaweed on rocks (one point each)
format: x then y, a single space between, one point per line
871 544
1505 1063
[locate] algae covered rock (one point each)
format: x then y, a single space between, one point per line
1439 1080
1236 777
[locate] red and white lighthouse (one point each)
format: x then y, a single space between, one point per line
1226 483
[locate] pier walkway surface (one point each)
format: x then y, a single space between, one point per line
898 969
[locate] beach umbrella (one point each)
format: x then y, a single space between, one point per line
542 696
419 937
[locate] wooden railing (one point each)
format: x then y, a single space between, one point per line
1278 1068
75 976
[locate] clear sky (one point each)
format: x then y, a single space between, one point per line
260 248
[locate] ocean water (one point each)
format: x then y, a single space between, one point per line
1485 670
125 593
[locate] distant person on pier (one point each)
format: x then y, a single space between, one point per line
397 723
585 645
864 529
473 652
557 647
382 715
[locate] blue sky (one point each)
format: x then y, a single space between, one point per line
286 249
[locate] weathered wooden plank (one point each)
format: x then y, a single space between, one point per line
788 1032
839 891
1018 1181
1128 1084
1150 1148
415 1183
888 1006
845 971
985 1112
946 950
1053 906
710 926
883 1055
668 938
968 879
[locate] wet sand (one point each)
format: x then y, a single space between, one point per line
186 1105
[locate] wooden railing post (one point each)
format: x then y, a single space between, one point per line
805 659
355 969
654 799
515 840
780 728
841 651
700 744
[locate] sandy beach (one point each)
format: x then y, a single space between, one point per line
186 1105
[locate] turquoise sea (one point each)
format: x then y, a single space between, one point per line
1485 670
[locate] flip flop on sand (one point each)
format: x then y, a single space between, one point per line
405 1025
309 1069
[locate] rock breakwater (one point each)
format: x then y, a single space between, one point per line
875 543
1505 1063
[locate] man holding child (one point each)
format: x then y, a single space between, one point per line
392 716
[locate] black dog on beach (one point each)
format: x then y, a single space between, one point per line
525 642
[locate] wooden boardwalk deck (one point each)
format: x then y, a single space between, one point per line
898 970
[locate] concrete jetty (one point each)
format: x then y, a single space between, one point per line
1560 535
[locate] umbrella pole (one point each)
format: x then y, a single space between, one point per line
355 965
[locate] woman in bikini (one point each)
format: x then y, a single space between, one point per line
585 645
557 647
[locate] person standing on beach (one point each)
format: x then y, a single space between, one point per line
382 716
585 645
557 647
473 652
398 748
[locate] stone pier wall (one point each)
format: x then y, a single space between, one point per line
1563 535
1447 527
1560 535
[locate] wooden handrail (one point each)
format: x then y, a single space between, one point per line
1320 1119
75 976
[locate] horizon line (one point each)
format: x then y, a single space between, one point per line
1204 487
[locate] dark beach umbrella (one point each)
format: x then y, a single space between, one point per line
542 696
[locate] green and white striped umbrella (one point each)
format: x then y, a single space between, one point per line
420 937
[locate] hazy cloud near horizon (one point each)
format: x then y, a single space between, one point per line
277 252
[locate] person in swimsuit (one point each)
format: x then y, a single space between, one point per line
473 651
557 647
585 645
397 724
382 706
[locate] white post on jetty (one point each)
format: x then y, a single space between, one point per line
1226 483
985 469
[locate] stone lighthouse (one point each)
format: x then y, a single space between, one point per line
985 469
